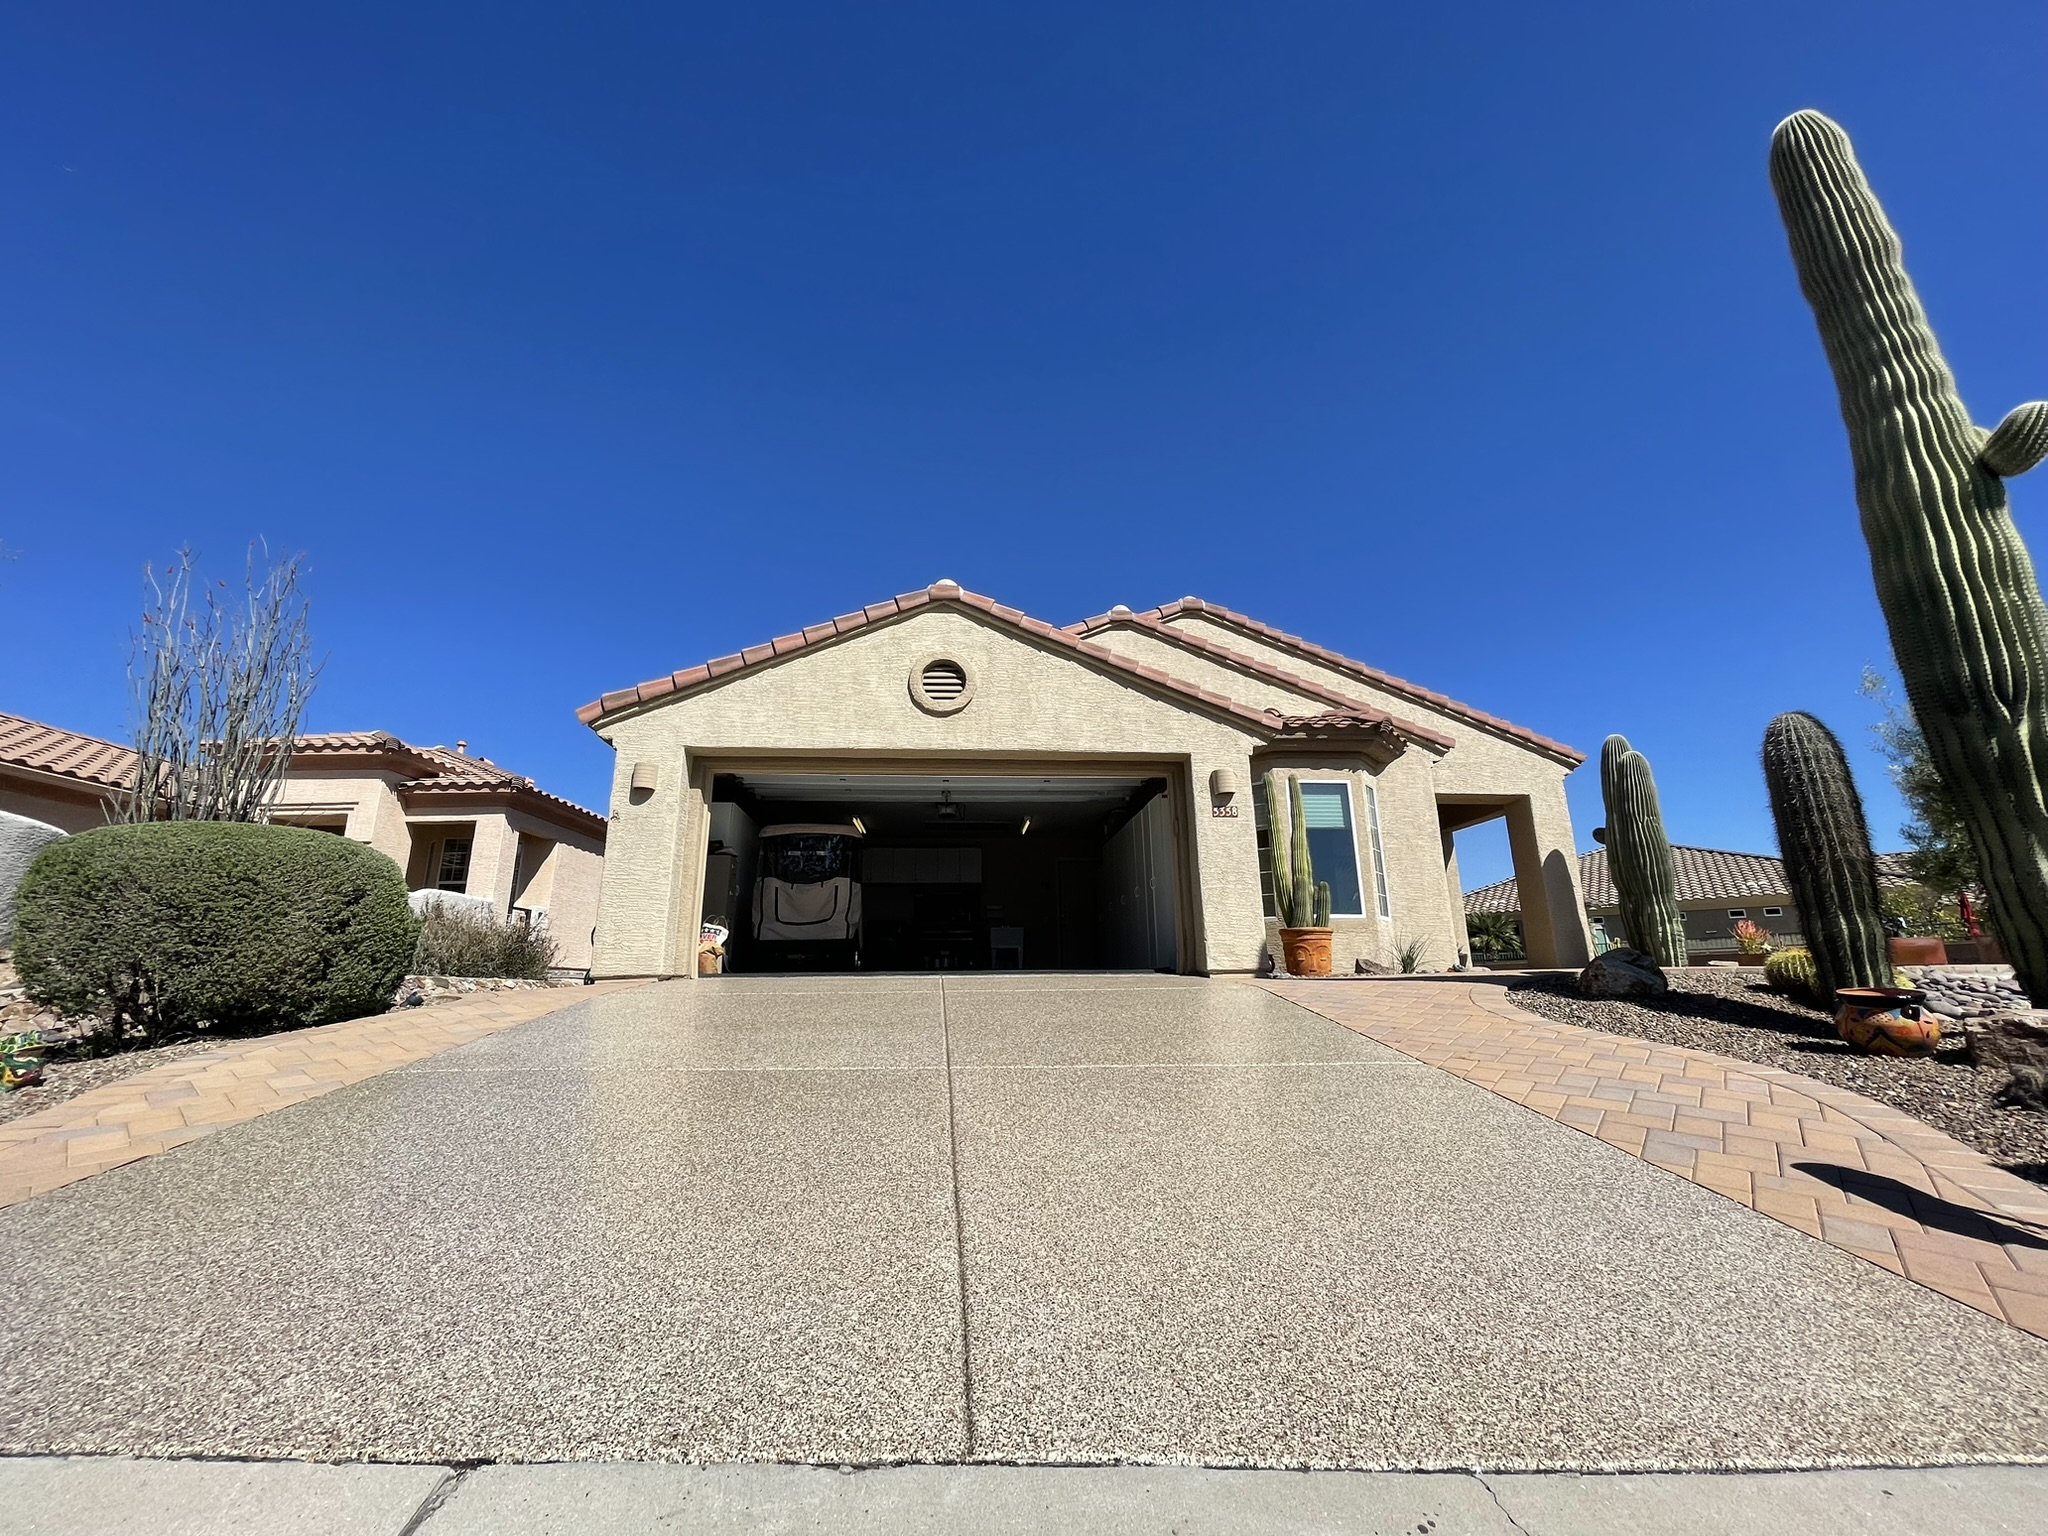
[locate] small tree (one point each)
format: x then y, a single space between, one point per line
219 686
1939 854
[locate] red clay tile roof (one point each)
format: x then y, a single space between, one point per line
46 749
1222 655
1702 874
106 765
1265 722
1570 756
447 771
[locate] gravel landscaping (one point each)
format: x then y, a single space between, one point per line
66 1078
1732 1013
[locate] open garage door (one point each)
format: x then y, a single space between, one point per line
915 872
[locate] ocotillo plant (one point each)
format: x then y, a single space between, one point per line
1300 900
1639 855
1826 844
1959 594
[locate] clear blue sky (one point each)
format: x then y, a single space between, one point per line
574 344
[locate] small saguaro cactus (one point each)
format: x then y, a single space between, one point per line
1639 855
1968 628
1298 897
1826 845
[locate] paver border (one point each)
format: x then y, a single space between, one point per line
1859 1175
166 1106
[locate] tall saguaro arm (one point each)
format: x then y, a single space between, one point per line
1959 593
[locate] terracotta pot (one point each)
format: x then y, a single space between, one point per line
1307 951
1886 1021
1918 951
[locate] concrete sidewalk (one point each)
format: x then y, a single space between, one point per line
116 1496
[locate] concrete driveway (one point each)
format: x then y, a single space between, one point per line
856 1220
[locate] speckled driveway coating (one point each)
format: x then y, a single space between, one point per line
1012 1219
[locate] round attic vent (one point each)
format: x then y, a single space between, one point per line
941 685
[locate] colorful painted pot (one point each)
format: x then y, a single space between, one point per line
1307 951
1886 1021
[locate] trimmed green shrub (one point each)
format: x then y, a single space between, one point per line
457 943
237 926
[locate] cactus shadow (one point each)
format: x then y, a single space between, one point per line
1929 1210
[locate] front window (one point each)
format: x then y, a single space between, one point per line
1332 843
452 872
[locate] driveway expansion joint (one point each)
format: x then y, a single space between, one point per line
959 1234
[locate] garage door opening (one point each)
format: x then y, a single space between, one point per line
878 872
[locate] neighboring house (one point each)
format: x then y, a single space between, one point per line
59 777
1086 797
452 822
1716 890
457 823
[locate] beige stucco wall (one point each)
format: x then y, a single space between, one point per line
1482 763
851 698
375 815
368 800
69 810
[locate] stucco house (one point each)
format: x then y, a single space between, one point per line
451 821
455 822
1060 798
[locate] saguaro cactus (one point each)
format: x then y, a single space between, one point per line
1299 899
1639 855
1826 844
1959 594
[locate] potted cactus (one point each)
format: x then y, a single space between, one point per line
1302 902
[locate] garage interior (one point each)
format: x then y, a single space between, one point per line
1063 872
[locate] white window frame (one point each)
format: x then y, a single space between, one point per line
1774 911
1358 871
1381 893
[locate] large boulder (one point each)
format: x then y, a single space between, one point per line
2016 1041
21 839
423 902
1623 973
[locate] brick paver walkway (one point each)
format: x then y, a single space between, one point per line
166 1106
1861 1175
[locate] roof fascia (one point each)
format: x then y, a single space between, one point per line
1571 757
623 704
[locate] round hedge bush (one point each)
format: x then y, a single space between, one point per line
232 925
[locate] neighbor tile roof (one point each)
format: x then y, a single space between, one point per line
46 749
1702 874
1167 612
443 771
1267 722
